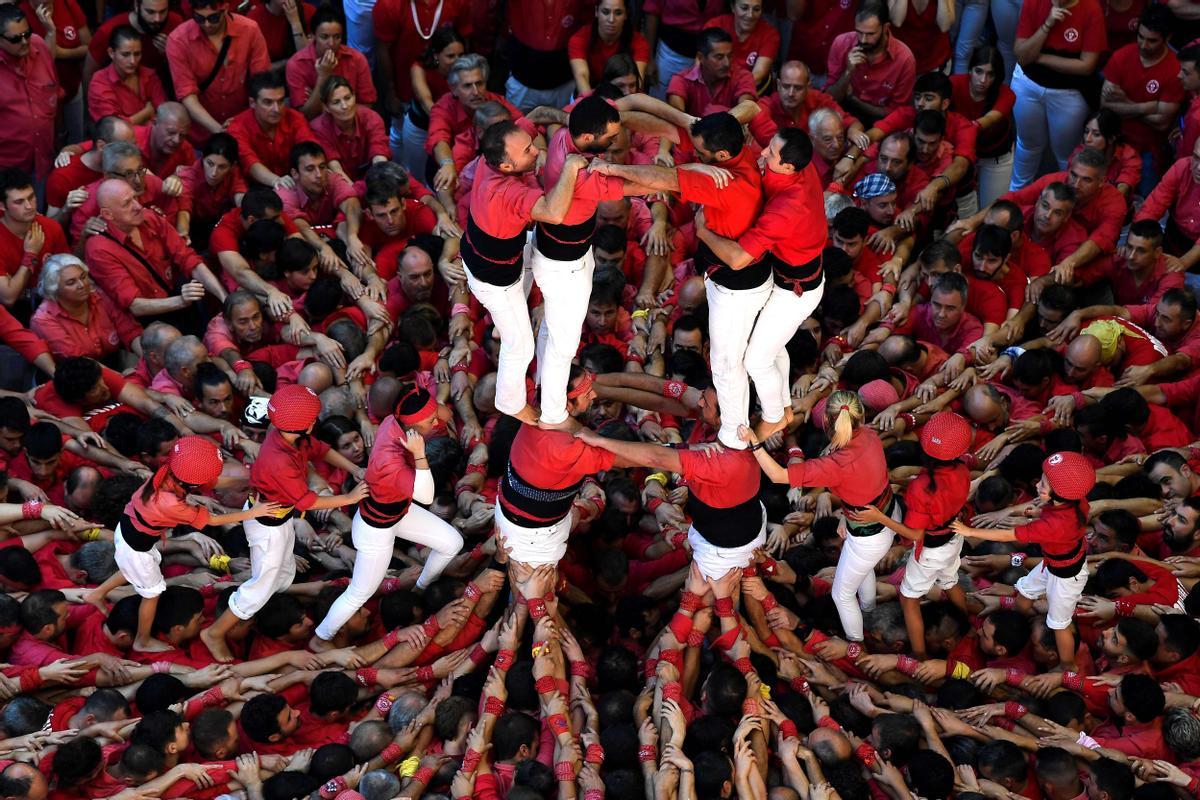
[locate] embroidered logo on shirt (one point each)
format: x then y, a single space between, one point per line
1152 86
568 21
1071 34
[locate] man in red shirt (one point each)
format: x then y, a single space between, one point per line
212 87
735 296
792 104
258 203
268 130
714 83
1141 84
1050 226
1140 272
870 71
505 200
1179 193
828 135
82 168
165 143
26 237
29 96
136 257
943 320
319 197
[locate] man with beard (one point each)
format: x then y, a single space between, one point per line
154 20
240 333
505 200
871 72
793 198
731 199
713 81
1174 475
793 104
1180 529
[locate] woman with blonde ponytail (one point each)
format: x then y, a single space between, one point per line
854 469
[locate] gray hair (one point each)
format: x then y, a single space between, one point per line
1181 732
52 272
466 63
368 739
819 117
157 335
405 709
887 620
836 203
97 560
490 113
379 784
115 152
183 353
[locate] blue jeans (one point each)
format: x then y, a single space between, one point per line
1045 118
360 31
1005 14
527 99
970 17
669 64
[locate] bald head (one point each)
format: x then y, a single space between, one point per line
691 294
171 111
382 397
829 746
985 406
1081 358
111 192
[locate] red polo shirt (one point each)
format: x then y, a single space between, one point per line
731 211
29 97
152 57
929 44
280 473
256 146
12 247
352 65
501 204
956 340
1065 241
857 473
1141 84
1179 193
1164 429
887 82
960 131
773 117
184 156
123 277
448 118
1130 293
229 230
927 508
790 223
591 188
75 175
109 95
210 202
699 98
276 30
192 57
1101 217
354 151
763 41
1143 740
105 330
321 210
581 47
1059 532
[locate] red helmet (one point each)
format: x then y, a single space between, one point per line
1071 475
946 436
195 460
293 408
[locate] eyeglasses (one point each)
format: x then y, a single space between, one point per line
208 19
130 175
18 38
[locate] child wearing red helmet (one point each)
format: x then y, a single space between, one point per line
280 474
1060 531
932 501
193 467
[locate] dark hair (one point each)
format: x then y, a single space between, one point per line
999 760
1182 298
1157 18
332 691
511 731
75 377
159 692
332 84
936 82
720 131
294 255
12 179
931 774
278 615
76 760
156 729
851 223
176 606
324 15
712 771
591 115
992 240
930 123
1011 630
14 415
37 609
43 441
442 38
710 38
331 760
304 150
210 728
1191 53
624 41
797 148
267 79
1126 407
619 66
990 55
18 566
10 12
492 145
260 716
1142 696
950 282
258 201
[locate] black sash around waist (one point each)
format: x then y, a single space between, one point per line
491 259
735 526
750 277
799 279
565 242
887 502
1066 570
681 41
538 69
132 532
532 507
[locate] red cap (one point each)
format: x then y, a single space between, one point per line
946 436
294 408
196 461
1071 475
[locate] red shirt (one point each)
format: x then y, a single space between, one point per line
123 277
1081 32
581 47
502 204
1065 241
1137 740
723 495
62 180
857 473
152 57
184 155
192 57
322 210
690 15
109 95
69 20
791 199
395 30
1101 217
448 118
960 131
956 340
256 146
762 42
731 211
1059 532
211 202
417 219
47 399
928 508
821 22
995 140
1129 293
591 188
105 330
354 151
162 511
546 25
280 473
1164 429
1141 84
929 44
1121 26
699 98
29 97
548 460
276 30
772 116
153 198
1191 129
12 247
887 82
1179 193
229 230
391 474
351 65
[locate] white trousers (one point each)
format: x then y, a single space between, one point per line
731 316
510 313
143 570
937 565
1062 594
714 561
854 580
566 287
767 357
375 545
534 546
272 565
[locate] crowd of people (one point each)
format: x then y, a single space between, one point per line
565 399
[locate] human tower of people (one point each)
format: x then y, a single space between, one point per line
792 403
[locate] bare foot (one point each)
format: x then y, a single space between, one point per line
152 646
570 425
96 600
318 645
528 415
216 645
764 430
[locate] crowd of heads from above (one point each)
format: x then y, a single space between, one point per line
569 399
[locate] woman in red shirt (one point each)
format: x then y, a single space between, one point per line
755 41
981 96
428 84
613 32
125 88
354 136
1060 531
1102 132
343 436
75 319
215 184
924 25
854 469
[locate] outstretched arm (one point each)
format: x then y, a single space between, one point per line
646 455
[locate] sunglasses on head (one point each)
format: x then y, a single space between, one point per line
209 19
18 38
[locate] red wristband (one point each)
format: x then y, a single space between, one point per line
672 657
423 775
504 659
242 364
728 639
647 753
333 787
581 669
673 390
564 771
1014 710
854 650
493 705
1013 677
545 684
750 571
866 754
695 638
425 674
558 724
650 668
593 794
214 696
471 761
594 754
672 690
799 684
724 607
788 730
744 665
907 664
431 626
537 608
768 566
769 602
653 503
478 655
750 707
475 469
392 753
1008 603
1125 607
681 626
31 679
367 676
472 592
384 704
1072 681
690 602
